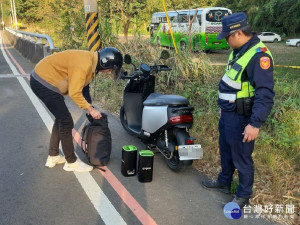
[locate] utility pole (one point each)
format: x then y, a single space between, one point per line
12 18
2 22
92 29
16 21
92 24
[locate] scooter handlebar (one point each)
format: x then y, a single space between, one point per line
158 68
137 73
133 76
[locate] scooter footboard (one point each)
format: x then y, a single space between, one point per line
133 106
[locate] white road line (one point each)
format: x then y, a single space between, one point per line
12 75
103 206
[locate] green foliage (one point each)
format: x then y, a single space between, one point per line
29 10
65 19
233 187
108 38
125 11
284 119
72 29
278 16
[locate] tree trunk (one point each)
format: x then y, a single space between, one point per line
126 23
190 28
126 28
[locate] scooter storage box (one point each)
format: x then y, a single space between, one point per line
145 166
128 163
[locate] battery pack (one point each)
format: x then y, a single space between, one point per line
128 162
145 166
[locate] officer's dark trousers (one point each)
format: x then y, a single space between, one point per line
63 124
234 153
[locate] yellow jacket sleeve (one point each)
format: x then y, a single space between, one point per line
77 78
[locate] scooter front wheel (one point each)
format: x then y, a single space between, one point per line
123 120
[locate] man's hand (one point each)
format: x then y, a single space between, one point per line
250 133
94 113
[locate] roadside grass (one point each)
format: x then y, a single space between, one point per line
276 155
284 55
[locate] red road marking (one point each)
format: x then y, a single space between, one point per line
13 59
127 198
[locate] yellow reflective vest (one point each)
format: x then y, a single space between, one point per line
233 75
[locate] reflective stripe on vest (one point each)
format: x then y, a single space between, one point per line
228 97
231 83
232 76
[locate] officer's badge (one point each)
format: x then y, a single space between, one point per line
264 49
265 63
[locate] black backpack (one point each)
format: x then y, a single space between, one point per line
97 138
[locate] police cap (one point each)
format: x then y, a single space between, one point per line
232 22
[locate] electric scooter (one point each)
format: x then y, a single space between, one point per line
162 122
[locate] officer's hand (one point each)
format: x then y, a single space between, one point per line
94 113
250 133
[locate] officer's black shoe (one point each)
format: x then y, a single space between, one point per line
241 201
216 184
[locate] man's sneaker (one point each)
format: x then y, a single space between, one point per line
241 201
215 184
53 160
78 166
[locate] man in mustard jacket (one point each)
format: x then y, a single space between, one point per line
67 73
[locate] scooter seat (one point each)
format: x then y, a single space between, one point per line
157 99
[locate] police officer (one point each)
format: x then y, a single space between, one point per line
245 100
67 73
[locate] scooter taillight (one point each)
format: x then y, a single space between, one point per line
181 119
190 141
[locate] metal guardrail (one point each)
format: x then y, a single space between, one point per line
32 46
33 37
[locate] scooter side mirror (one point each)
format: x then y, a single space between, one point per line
165 54
127 59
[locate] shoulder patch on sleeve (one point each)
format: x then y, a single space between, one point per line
265 62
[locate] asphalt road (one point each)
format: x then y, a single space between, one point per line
30 193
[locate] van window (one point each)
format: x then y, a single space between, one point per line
184 18
173 19
216 15
162 19
199 19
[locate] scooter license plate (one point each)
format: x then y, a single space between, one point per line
189 152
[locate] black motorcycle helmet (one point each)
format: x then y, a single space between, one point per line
110 58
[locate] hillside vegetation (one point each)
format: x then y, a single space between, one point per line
64 19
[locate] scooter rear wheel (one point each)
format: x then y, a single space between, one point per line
174 163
